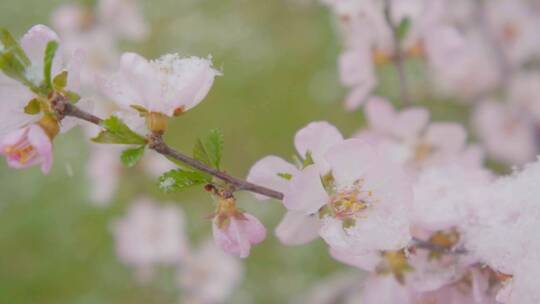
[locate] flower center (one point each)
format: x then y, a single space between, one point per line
422 151
21 153
349 203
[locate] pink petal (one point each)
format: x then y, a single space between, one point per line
143 79
297 228
265 173
367 261
448 137
358 95
350 160
317 138
306 192
35 41
380 115
239 235
42 143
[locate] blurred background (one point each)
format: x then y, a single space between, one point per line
279 64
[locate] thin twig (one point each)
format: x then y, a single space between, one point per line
63 108
398 57
157 144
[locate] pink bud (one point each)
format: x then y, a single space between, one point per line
237 235
27 147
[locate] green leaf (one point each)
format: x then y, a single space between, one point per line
117 132
130 157
72 96
8 44
13 59
33 107
179 180
403 28
143 112
210 149
308 161
60 80
286 176
50 52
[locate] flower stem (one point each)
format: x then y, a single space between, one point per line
398 54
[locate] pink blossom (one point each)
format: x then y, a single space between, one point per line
209 275
369 192
315 139
150 235
296 228
461 64
443 194
237 235
124 18
27 147
15 96
508 134
169 85
408 138
104 171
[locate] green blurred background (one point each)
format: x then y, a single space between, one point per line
279 64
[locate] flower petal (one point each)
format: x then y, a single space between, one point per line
297 228
317 138
265 173
305 192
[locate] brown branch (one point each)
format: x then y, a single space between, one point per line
63 108
399 56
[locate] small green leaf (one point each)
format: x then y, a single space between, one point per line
130 157
210 149
142 110
60 80
117 132
308 161
33 107
13 60
348 223
72 96
286 176
403 28
8 44
179 180
50 52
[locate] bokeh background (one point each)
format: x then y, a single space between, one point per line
279 64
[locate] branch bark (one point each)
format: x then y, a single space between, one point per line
63 108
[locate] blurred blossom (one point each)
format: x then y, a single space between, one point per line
343 288
408 138
150 235
123 18
103 170
508 135
209 276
